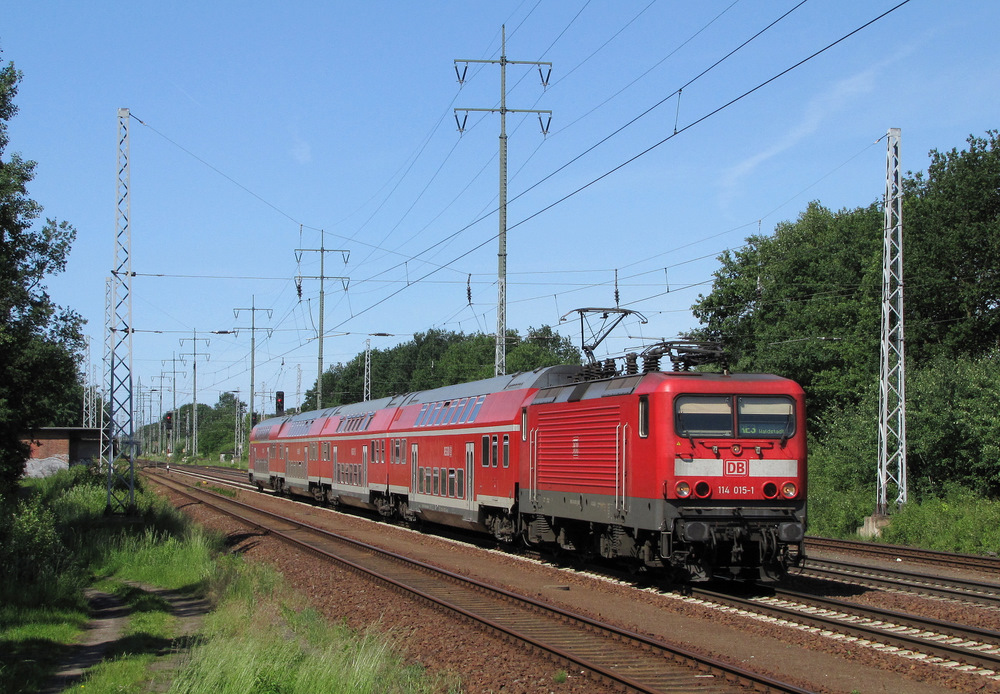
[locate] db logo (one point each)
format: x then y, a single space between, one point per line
736 468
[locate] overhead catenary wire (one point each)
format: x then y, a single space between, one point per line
425 277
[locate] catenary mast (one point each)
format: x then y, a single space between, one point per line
500 361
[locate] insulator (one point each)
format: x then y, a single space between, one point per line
609 368
651 363
631 363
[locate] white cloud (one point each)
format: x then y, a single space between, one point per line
820 109
301 151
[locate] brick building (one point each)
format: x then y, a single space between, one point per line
56 448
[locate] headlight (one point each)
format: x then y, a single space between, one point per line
789 490
682 489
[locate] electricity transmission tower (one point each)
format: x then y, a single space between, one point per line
253 343
118 445
500 361
892 382
194 376
322 250
172 435
89 389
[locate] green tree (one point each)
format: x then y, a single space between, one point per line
951 226
217 426
803 303
39 341
439 358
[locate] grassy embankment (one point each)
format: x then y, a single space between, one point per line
55 541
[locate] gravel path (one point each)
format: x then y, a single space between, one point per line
109 616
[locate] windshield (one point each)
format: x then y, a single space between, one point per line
719 416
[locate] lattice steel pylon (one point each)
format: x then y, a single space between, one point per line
89 389
118 445
892 382
368 370
500 359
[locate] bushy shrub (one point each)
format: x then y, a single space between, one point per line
35 565
843 458
956 521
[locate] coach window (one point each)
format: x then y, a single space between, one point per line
486 451
524 423
475 411
643 416
456 412
506 450
451 482
402 452
460 483
466 410
436 484
420 480
493 452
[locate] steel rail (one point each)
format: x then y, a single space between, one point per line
976 647
893 552
979 592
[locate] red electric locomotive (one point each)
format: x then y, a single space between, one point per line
703 474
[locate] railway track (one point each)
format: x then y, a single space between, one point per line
934 642
969 649
894 553
610 654
945 587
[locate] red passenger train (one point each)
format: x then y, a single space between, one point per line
702 474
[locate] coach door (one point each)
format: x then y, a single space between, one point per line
469 487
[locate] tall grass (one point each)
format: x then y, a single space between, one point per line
56 540
278 645
957 521
161 558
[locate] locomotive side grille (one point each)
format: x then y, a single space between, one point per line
578 449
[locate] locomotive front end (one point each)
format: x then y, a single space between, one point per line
735 477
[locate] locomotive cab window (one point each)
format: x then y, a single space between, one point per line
704 416
766 417
725 416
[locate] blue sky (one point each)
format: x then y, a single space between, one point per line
260 126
